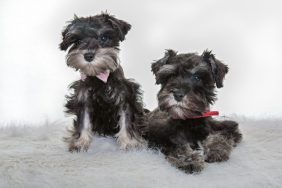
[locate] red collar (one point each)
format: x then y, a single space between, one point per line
206 114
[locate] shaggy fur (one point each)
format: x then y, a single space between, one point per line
187 91
105 102
34 156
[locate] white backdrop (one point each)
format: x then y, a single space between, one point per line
246 35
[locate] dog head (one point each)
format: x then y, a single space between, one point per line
93 44
188 82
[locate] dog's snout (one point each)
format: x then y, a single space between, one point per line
178 95
89 56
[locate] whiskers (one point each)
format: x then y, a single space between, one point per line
104 59
178 109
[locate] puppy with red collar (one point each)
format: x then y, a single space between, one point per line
182 126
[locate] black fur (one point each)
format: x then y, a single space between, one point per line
82 28
188 83
111 106
104 103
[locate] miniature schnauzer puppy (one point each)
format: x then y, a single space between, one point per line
103 101
181 126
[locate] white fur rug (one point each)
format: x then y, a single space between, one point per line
37 157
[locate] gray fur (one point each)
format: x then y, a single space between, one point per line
105 59
177 126
105 102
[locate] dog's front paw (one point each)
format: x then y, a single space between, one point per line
189 161
195 163
217 148
126 142
81 143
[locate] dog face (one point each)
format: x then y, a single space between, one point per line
188 82
93 43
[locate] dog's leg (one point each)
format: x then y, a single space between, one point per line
227 128
219 144
217 148
124 138
81 135
185 158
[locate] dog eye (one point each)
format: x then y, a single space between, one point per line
104 38
196 77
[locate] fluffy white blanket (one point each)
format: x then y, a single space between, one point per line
37 157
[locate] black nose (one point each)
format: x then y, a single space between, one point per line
89 56
178 95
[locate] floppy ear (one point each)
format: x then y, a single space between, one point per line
219 70
155 67
119 25
67 34
162 69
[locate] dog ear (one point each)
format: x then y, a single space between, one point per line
155 67
119 25
67 34
162 69
219 70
